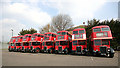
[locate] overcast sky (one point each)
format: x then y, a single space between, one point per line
24 14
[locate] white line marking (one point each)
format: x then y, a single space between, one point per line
91 58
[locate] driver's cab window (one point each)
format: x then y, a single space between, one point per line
97 42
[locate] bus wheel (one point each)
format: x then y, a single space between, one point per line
10 50
56 52
50 51
37 50
111 55
66 51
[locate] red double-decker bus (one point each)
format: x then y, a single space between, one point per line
12 44
48 43
18 43
36 42
79 43
100 41
25 43
63 42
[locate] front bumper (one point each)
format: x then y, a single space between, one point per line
25 50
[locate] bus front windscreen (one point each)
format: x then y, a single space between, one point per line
81 42
81 31
35 43
26 44
63 43
97 42
75 42
105 42
49 43
18 44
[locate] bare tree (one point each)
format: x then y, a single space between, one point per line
61 22
46 28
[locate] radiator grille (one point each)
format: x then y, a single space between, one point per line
45 48
78 49
103 49
60 49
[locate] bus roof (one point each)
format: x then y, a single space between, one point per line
27 34
37 34
14 37
79 29
50 33
100 26
20 36
62 31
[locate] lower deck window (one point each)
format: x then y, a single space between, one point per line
97 42
35 43
49 43
57 43
105 42
63 43
18 44
74 42
81 43
26 44
12 44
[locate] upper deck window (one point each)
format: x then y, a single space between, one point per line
81 31
75 32
58 33
49 34
96 30
97 42
21 37
105 29
53 35
60 37
63 33
38 35
35 34
78 36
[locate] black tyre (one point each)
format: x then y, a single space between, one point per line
37 50
10 50
66 51
111 55
56 52
50 51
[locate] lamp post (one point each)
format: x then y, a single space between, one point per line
12 32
